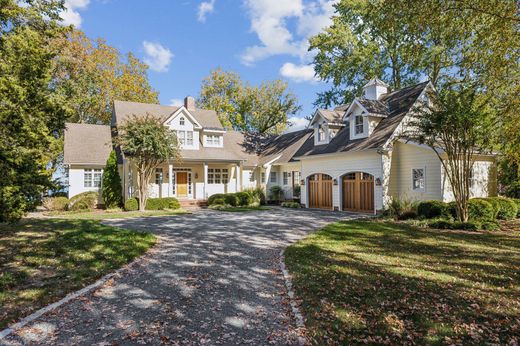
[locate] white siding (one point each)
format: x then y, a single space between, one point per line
77 183
337 166
406 157
484 180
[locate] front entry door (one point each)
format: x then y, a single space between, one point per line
182 184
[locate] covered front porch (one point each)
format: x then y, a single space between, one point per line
191 180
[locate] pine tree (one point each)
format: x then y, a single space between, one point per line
112 191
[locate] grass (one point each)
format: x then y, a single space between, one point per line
242 209
382 282
42 260
105 215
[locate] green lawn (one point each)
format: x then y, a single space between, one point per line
42 260
243 209
105 215
376 282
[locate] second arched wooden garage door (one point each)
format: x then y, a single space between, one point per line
320 191
358 192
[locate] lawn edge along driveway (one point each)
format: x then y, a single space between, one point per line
44 260
377 282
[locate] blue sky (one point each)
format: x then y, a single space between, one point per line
182 40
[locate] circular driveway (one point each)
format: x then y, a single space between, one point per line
213 278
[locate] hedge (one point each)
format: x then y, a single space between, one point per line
84 201
132 204
55 203
504 208
480 209
517 202
238 199
212 198
446 224
162 203
244 199
291 205
432 209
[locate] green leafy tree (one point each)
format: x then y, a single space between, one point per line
90 75
112 189
457 126
263 109
31 115
147 143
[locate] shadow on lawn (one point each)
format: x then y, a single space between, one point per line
373 282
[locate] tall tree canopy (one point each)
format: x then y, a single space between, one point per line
90 74
31 115
400 41
263 109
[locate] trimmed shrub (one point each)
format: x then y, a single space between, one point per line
451 209
218 201
480 209
432 209
276 193
490 226
291 205
55 203
445 224
257 194
244 198
219 206
162 203
231 199
112 189
212 198
407 215
88 200
132 204
517 202
504 208
441 224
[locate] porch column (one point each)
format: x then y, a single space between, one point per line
170 177
267 179
205 180
240 176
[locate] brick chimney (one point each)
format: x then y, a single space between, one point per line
189 103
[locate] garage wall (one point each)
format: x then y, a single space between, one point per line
338 165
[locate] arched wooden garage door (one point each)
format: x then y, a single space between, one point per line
320 191
358 192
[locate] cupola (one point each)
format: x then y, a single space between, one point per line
374 89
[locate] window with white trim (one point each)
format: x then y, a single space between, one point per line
286 178
358 124
218 175
185 137
273 177
213 140
251 176
182 121
92 177
181 136
263 177
189 138
418 179
158 176
321 133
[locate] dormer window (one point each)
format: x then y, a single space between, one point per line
321 134
358 125
181 121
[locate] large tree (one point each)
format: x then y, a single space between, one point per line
147 143
261 110
31 115
90 75
446 41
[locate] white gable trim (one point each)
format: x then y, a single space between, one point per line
317 113
269 163
357 103
184 110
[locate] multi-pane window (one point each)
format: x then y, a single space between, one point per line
251 176
273 177
358 124
213 140
189 138
218 175
263 177
286 178
296 178
92 177
418 179
182 121
181 136
321 134
158 176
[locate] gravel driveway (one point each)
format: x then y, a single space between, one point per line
214 278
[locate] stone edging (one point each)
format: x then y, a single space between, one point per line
300 320
35 315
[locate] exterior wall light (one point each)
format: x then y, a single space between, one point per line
302 182
335 181
378 181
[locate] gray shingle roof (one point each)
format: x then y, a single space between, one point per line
87 144
124 109
398 104
285 146
332 116
374 106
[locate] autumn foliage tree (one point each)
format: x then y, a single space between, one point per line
147 143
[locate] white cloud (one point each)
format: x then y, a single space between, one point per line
298 73
296 124
71 16
176 102
269 20
205 8
157 56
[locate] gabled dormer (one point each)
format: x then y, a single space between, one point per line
186 126
326 124
365 112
